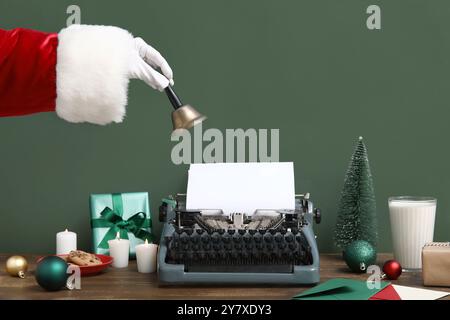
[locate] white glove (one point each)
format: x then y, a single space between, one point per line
145 59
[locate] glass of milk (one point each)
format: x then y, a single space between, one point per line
412 226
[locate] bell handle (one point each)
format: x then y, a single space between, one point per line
173 98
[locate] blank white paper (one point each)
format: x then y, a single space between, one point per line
410 293
241 187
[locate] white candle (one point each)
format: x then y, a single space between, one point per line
146 257
119 249
66 241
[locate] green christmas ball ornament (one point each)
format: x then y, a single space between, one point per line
51 273
359 255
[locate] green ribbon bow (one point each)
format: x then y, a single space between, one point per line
112 219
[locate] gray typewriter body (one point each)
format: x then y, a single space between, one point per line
268 247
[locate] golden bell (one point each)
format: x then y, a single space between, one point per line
184 116
16 266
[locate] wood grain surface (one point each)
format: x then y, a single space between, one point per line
129 284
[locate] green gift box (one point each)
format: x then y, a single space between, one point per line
126 213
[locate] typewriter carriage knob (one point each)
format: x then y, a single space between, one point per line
163 212
168 204
317 215
309 207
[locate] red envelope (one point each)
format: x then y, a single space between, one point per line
387 293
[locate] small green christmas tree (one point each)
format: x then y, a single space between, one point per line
357 218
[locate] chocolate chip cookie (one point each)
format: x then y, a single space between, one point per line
82 258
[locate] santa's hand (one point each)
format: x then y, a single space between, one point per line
145 59
92 64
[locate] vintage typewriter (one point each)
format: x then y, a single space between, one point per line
266 247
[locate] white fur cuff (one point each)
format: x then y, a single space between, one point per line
92 73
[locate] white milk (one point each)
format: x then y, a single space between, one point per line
412 226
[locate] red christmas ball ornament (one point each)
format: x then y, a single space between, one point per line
392 269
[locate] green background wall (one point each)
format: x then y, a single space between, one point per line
310 68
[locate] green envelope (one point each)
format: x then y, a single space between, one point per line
340 289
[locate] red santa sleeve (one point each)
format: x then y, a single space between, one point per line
27 71
80 72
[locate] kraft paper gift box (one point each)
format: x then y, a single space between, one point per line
436 264
126 213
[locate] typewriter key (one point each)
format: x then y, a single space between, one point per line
268 238
215 237
172 255
226 238
184 237
195 238
172 245
205 238
282 245
289 237
278 237
247 238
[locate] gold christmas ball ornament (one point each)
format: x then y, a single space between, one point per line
17 266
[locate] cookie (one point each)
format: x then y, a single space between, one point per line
82 258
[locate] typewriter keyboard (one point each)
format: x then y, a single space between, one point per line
238 250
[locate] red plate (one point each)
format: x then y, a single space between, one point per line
91 270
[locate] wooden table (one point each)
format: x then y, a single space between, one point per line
129 284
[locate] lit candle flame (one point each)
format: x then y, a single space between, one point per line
146 241
118 235
66 230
